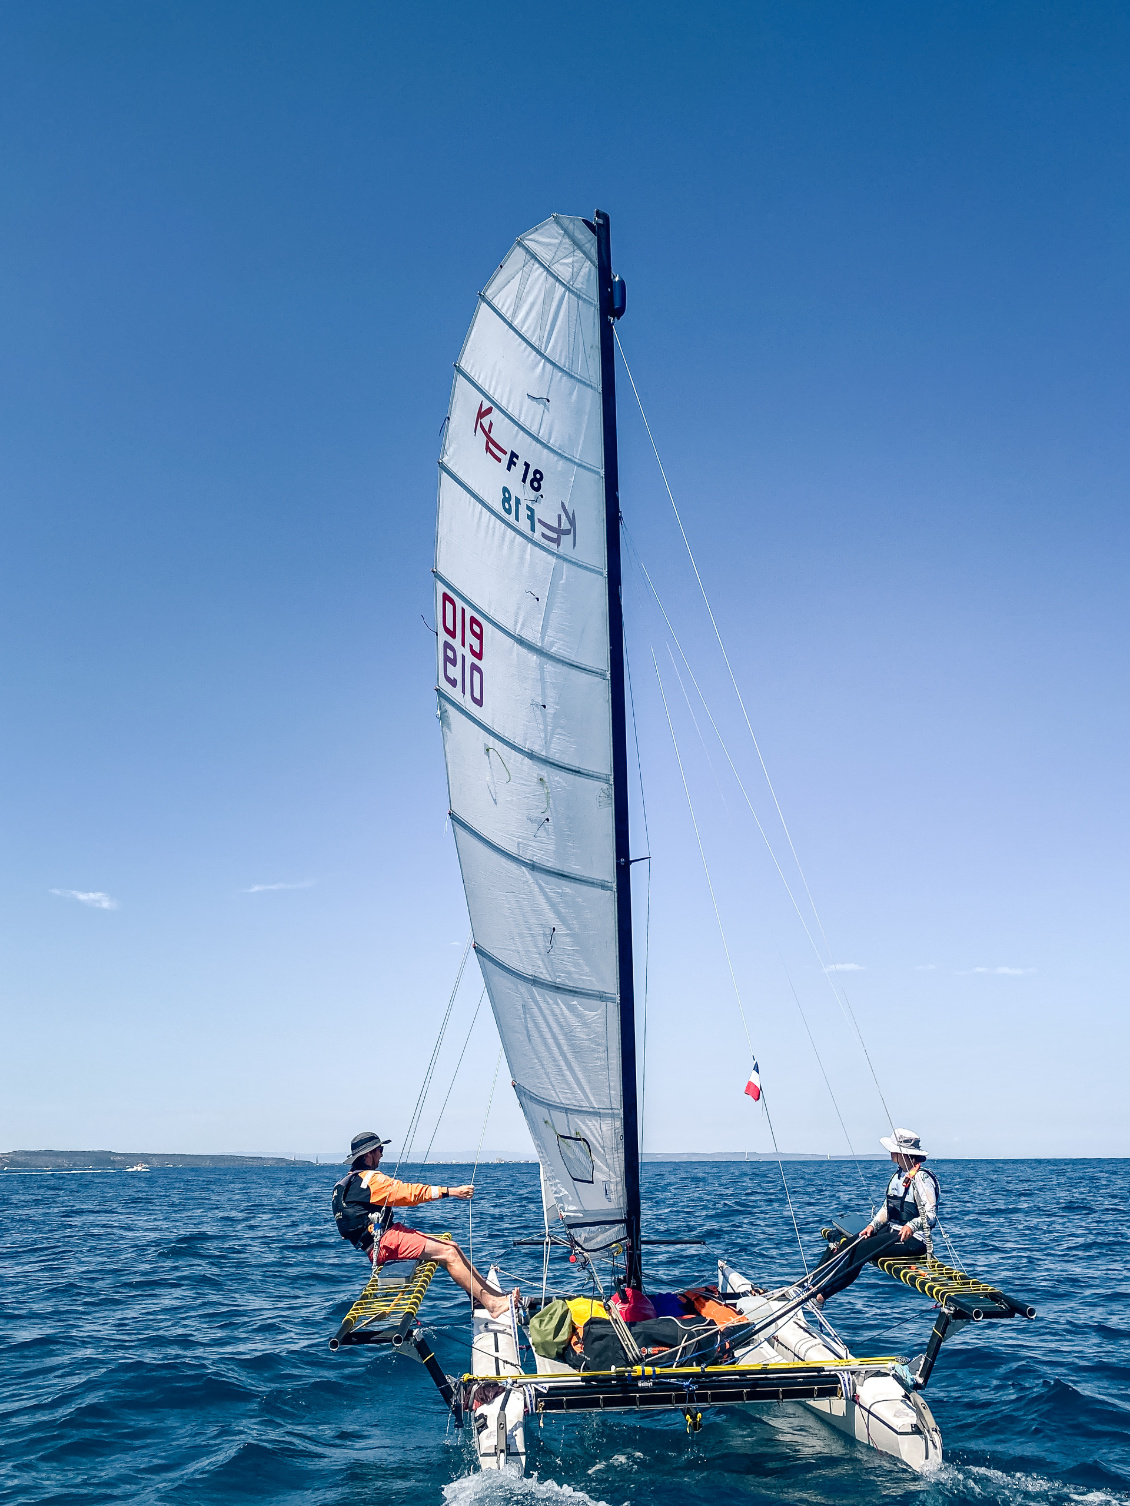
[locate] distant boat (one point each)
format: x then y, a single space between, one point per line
141 1166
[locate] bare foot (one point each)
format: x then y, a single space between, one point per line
499 1307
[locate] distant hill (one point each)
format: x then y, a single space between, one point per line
118 1160
750 1155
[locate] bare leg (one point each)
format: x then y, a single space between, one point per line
448 1254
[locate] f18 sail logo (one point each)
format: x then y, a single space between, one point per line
512 505
463 628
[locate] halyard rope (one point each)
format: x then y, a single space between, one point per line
414 1122
729 962
455 1074
749 725
474 1173
647 913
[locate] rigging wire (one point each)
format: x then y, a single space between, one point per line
745 715
475 1169
848 1013
647 919
784 969
414 1121
454 1075
729 962
823 1073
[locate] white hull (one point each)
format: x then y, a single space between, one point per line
498 1426
879 1413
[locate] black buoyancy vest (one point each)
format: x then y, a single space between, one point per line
904 1210
351 1214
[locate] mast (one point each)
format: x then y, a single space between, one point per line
609 312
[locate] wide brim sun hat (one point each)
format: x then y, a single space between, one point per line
903 1142
362 1144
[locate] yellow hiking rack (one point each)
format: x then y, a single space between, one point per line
395 1304
961 1298
386 1297
968 1297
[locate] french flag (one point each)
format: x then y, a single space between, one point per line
753 1086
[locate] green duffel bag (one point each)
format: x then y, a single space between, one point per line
550 1329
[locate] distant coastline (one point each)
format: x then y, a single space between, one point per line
120 1160
752 1155
117 1160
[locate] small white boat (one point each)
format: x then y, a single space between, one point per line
531 703
141 1166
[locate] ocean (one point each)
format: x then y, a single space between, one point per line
164 1339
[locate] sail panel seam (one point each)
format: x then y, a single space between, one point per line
521 532
608 885
555 987
559 221
566 1108
557 366
534 648
518 424
548 270
537 758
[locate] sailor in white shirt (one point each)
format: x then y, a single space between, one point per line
904 1225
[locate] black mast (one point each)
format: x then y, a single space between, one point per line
611 307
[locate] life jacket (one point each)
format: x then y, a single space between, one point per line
903 1209
703 1300
353 1217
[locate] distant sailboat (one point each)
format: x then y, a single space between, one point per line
531 689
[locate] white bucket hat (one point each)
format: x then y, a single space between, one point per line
904 1142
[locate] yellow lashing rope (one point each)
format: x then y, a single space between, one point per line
934 1279
783 1367
382 1298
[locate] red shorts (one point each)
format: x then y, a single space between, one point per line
399 1243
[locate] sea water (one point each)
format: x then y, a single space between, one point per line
164 1338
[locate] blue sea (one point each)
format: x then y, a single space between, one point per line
164 1339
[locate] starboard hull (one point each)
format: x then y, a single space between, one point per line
880 1412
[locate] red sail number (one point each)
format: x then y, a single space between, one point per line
463 628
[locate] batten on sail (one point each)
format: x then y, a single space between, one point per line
525 684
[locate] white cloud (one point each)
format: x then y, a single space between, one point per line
265 888
92 897
844 967
925 967
1006 972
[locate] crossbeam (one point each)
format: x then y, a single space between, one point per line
679 1387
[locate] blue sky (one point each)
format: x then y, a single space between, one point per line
877 310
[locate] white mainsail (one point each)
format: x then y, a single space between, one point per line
525 707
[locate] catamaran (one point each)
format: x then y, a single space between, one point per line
531 703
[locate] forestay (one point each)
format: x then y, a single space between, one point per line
524 703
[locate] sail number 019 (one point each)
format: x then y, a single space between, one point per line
464 628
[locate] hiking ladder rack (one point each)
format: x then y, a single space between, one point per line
961 1298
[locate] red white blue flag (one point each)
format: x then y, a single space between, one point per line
753 1086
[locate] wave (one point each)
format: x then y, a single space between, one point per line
998 1487
492 1489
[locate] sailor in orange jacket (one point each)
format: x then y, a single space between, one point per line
360 1199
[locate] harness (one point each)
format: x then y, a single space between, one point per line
355 1220
904 1209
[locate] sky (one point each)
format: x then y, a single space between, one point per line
876 261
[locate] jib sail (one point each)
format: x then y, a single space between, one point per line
531 707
